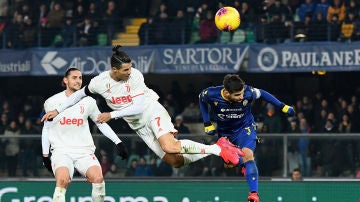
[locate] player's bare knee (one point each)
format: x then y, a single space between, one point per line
97 179
174 160
169 147
63 182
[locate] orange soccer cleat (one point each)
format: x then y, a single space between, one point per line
253 197
229 152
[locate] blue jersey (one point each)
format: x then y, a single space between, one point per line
231 117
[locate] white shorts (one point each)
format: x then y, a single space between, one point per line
160 124
81 162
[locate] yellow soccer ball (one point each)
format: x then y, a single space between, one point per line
227 19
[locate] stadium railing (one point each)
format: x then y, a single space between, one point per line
324 155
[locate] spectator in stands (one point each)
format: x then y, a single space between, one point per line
180 29
79 16
279 8
293 151
87 33
276 30
4 123
164 169
207 30
336 8
162 30
30 33
318 28
296 175
180 126
353 7
261 30
12 148
105 163
143 168
273 120
146 32
131 170
304 147
321 7
55 19
112 23
334 27
348 28
68 34
247 16
306 9
354 118
330 127
320 121
191 113
29 148
43 11
95 14
345 125
113 172
15 31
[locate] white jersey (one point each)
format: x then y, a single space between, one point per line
119 94
69 131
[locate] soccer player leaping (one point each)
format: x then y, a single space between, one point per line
125 92
70 141
230 104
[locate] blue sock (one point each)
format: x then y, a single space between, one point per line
252 175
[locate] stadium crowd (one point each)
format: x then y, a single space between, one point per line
25 24
314 157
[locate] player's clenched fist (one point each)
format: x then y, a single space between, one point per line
47 163
209 128
287 109
122 150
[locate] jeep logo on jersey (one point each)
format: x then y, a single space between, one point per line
50 62
73 121
121 100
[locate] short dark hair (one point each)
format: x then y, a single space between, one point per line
233 83
119 57
67 74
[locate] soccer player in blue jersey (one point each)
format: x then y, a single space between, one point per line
230 105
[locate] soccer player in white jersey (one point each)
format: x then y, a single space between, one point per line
125 92
69 139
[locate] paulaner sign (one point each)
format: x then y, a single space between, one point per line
304 57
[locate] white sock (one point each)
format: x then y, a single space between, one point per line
98 192
191 147
59 194
189 158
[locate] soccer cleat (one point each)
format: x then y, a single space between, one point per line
229 152
253 197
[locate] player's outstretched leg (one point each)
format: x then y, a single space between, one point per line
229 152
253 197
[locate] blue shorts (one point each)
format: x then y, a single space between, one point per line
245 138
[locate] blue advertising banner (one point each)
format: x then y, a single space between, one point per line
304 57
91 61
15 63
176 59
210 58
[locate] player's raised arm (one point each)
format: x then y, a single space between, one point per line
136 107
273 100
70 101
204 108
